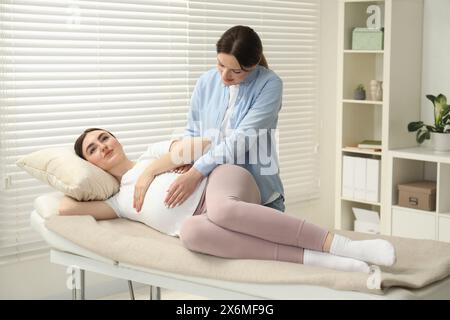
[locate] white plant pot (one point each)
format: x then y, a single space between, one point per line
440 141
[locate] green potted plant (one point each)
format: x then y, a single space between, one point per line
440 132
360 92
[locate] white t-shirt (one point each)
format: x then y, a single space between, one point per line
225 127
154 213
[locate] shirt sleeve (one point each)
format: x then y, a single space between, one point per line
114 204
157 149
260 116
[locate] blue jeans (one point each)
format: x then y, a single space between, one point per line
277 204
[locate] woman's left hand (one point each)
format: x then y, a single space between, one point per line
140 189
183 187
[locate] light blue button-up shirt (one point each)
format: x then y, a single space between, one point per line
254 120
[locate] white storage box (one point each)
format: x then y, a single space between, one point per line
366 221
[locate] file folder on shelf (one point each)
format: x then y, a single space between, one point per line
372 180
361 178
347 177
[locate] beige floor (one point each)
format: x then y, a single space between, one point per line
143 293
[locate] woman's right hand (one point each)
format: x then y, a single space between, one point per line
140 189
182 187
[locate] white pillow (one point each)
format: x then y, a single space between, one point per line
62 169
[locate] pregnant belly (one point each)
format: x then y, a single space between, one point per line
154 212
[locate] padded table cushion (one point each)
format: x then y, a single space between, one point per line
419 262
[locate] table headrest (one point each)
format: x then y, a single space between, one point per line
47 204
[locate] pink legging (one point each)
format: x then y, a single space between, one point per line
235 225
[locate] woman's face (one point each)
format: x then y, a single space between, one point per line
230 70
102 149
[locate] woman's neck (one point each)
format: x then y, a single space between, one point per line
121 168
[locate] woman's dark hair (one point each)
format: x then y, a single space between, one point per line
78 146
243 43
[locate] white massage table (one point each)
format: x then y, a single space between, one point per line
68 253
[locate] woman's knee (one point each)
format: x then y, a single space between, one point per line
192 233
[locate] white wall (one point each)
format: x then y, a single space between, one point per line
321 211
328 90
436 54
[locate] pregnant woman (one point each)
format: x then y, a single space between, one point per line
223 216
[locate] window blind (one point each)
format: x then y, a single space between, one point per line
130 67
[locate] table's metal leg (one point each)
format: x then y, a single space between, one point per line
130 288
74 285
82 286
155 293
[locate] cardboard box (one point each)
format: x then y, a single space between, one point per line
418 195
367 39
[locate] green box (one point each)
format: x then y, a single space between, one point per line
367 39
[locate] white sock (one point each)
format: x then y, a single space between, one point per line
326 260
377 251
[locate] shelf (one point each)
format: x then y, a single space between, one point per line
377 1
413 223
361 151
361 69
360 122
355 15
346 221
364 51
433 213
361 201
443 188
396 64
444 227
362 101
421 154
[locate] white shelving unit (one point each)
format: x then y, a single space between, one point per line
414 164
398 65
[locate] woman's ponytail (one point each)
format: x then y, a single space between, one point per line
263 61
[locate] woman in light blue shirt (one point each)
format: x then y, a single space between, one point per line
236 106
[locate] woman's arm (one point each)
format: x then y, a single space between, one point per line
98 209
258 121
180 152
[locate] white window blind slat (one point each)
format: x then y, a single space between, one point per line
130 67
157 107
